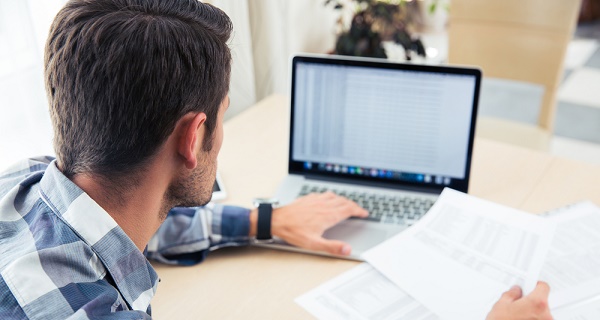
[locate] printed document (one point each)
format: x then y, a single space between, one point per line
572 266
464 253
587 310
362 293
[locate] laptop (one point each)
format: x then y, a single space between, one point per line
386 135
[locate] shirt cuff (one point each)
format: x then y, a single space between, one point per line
234 224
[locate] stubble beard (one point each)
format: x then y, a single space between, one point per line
191 191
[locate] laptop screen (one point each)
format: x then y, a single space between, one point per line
380 121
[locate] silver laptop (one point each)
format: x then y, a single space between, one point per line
389 136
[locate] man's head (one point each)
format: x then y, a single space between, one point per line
193 186
120 74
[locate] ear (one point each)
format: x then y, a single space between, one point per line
191 137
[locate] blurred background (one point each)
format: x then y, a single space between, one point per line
540 58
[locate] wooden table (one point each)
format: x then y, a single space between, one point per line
256 283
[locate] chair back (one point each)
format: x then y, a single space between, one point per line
524 40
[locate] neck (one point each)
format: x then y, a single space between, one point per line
136 209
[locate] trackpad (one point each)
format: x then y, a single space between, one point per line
361 235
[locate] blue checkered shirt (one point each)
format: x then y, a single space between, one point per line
62 256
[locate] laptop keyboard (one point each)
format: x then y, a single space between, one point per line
404 210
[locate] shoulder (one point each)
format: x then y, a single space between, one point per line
27 224
59 282
47 271
85 300
49 268
27 166
21 173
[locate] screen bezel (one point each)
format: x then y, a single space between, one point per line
297 167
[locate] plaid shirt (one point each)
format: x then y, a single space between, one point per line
62 256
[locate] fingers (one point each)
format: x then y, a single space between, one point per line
351 209
328 195
513 294
541 291
513 306
342 207
538 300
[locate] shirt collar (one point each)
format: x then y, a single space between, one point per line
129 268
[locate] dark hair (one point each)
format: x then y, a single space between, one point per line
121 73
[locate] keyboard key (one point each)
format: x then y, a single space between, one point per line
382 208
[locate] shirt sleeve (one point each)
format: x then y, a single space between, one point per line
188 234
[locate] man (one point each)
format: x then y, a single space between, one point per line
137 92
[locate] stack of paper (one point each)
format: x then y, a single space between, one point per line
457 261
363 293
572 266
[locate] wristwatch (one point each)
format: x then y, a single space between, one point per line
263 224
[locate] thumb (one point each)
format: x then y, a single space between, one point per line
541 291
513 294
333 246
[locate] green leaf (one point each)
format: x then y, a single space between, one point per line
432 7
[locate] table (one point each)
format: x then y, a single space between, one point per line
257 283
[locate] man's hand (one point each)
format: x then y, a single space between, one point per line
512 305
303 222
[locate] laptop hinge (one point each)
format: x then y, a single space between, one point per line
377 184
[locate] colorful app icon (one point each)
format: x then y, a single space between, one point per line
308 165
446 180
427 178
374 172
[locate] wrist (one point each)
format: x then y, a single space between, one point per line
253 222
278 226
261 218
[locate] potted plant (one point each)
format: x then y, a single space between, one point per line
374 22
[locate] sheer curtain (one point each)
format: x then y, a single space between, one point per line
266 34
25 128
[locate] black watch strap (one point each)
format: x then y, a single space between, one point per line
263 228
